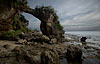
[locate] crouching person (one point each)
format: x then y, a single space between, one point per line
83 40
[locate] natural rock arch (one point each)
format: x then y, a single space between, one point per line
50 25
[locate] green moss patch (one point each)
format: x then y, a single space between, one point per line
59 26
9 34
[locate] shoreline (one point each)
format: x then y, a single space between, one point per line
57 53
90 50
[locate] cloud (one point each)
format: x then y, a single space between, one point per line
83 22
84 17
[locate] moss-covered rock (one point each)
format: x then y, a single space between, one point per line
20 23
59 26
10 16
10 34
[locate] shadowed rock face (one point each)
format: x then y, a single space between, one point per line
74 53
49 26
8 10
5 16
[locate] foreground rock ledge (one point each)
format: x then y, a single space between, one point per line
11 53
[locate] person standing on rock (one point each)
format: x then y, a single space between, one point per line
83 40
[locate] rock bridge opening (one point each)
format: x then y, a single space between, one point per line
34 23
12 19
49 25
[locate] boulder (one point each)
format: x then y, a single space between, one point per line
49 57
54 40
19 55
29 43
45 38
6 46
21 41
74 53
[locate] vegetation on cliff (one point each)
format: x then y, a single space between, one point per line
20 23
10 34
49 26
11 20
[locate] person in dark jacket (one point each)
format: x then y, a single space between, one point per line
83 40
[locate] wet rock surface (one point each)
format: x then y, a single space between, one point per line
74 53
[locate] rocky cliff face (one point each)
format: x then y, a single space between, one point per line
10 15
50 25
6 12
19 22
11 18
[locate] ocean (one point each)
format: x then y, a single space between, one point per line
84 33
93 41
93 36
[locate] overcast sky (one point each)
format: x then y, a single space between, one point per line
73 14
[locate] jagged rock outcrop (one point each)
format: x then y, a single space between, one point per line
50 57
19 22
34 36
74 53
12 53
10 15
50 25
19 55
6 12
11 18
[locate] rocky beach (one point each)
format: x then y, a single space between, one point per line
90 50
26 51
50 45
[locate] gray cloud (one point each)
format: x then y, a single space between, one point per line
73 14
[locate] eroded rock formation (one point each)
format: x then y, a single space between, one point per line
11 18
11 53
50 25
10 15
6 12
